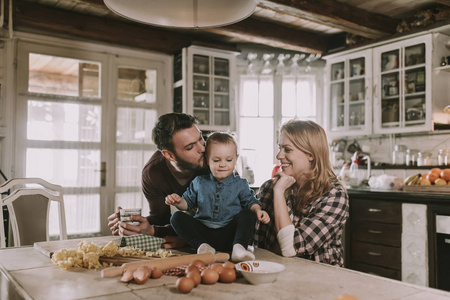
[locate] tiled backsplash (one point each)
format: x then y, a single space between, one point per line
380 150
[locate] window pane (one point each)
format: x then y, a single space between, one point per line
66 167
129 165
63 76
136 85
249 99
266 97
82 213
289 94
306 104
50 121
132 200
134 125
257 150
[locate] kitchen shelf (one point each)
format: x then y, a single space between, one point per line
382 166
443 68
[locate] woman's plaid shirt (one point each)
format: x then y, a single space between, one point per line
317 234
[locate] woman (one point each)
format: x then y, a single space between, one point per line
307 204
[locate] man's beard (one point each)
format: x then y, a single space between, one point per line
183 164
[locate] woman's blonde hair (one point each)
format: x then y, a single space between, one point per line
310 138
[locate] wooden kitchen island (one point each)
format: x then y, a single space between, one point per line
28 274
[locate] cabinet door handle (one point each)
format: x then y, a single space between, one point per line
374 231
374 253
375 210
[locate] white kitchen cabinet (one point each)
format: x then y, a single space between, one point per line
204 86
402 82
349 94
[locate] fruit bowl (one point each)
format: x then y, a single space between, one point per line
259 271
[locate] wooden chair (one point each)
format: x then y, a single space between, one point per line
29 208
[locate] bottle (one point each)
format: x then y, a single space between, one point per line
353 174
443 157
344 175
398 155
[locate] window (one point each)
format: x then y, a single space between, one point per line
261 115
84 121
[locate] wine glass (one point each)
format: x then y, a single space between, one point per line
281 67
295 60
267 67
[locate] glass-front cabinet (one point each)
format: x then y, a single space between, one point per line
205 87
349 94
402 100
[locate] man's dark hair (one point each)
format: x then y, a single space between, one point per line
167 126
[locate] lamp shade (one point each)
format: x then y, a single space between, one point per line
183 13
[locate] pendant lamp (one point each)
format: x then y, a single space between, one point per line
183 13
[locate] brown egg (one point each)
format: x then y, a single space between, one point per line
217 267
227 275
229 265
209 276
192 268
346 297
156 273
184 285
197 263
194 275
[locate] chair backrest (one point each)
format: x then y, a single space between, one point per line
29 209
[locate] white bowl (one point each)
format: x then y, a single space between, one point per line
259 271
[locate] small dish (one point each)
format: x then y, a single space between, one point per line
259 271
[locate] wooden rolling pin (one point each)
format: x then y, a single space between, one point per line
166 263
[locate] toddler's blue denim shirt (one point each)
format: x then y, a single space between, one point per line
218 202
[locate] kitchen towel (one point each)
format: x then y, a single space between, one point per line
142 241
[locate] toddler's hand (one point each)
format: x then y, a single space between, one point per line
263 216
173 199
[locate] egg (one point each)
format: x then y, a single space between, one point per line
228 264
209 276
194 275
156 273
192 268
227 275
217 267
197 263
184 285
347 297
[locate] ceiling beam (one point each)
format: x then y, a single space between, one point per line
255 31
30 17
335 14
37 17
443 2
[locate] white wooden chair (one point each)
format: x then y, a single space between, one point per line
29 208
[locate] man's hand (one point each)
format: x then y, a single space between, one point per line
263 216
173 242
113 221
144 227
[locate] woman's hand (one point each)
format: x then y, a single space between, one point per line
282 182
263 216
173 199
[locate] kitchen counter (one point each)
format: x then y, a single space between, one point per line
396 195
28 274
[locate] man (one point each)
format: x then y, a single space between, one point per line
170 170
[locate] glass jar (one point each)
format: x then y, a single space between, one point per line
411 157
398 155
424 159
444 157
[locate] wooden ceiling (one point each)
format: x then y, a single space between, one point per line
311 26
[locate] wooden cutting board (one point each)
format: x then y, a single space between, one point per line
48 248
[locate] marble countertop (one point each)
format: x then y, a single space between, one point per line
28 274
403 196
